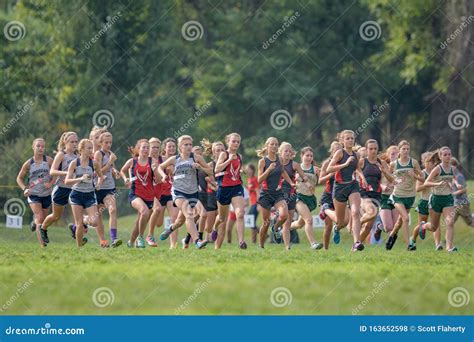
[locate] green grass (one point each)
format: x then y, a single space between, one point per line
230 281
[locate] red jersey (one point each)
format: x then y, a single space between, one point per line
231 174
168 183
142 180
252 187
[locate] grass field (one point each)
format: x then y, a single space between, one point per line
62 279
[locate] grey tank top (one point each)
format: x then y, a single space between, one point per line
84 186
38 175
185 176
68 158
109 182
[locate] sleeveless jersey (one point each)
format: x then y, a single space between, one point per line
68 158
444 189
425 194
185 176
287 188
142 180
231 174
109 182
373 175
168 183
274 180
84 186
303 188
346 175
38 175
405 185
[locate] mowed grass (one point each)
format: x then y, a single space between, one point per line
231 281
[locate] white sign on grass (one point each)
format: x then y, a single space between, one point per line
249 221
15 222
317 222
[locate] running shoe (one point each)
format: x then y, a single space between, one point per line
214 235
104 244
72 229
166 233
44 235
439 247
336 236
140 243
185 245
33 226
150 240
243 245
201 244
316 245
422 230
116 243
391 241
453 249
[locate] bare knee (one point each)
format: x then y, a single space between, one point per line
144 211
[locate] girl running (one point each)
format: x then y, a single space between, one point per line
422 208
306 200
67 147
373 168
253 188
230 190
214 150
271 175
166 200
441 201
328 212
155 146
201 211
80 175
461 199
346 189
94 136
388 214
292 168
40 183
143 173
107 192
185 186
406 171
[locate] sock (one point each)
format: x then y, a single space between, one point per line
74 228
200 235
187 238
113 234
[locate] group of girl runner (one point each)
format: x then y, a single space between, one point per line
361 184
